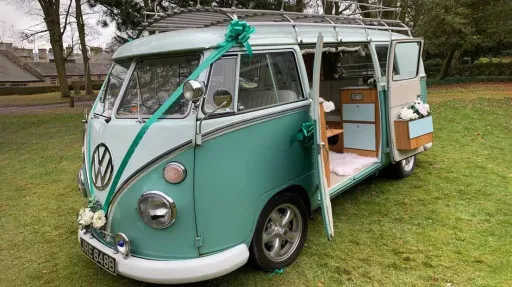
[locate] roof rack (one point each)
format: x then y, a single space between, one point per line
201 17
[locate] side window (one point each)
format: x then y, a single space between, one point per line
267 79
407 55
382 56
153 81
222 76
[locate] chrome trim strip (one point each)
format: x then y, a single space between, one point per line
232 126
140 171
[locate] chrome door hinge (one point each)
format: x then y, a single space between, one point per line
199 241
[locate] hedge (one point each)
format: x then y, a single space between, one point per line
473 70
460 80
5 91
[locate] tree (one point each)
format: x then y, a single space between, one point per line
450 27
52 17
80 24
129 15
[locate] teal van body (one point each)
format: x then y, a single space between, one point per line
241 181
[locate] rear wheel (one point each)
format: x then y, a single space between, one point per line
404 168
280 232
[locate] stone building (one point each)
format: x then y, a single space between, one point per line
20 67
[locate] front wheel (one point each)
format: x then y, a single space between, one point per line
280 232
404 168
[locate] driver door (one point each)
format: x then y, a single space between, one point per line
325 200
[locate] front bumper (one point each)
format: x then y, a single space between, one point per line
178 271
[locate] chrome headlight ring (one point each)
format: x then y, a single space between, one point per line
157 209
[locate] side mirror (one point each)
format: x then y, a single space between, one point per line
193 90
222 98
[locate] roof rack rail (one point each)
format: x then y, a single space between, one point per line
201 17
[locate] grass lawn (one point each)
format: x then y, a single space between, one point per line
39 99
449 223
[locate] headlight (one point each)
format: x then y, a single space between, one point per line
157 209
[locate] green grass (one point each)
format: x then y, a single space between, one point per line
450 222
38 99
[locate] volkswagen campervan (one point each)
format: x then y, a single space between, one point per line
216 135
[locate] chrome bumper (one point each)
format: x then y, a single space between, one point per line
177 271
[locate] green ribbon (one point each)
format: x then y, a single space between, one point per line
238 32
277 271
305 134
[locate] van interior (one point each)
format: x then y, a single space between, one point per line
352 127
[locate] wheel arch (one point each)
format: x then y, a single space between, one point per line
303 187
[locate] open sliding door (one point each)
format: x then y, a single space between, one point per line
403 87
325 199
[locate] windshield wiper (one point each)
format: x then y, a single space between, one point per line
106 118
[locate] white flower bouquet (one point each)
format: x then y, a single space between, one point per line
92 215
416 110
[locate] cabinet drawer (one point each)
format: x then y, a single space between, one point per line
359 136
359 112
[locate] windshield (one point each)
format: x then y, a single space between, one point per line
151 84
114 84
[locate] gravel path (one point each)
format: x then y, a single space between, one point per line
64 107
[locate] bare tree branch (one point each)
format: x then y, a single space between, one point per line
66 19
25 36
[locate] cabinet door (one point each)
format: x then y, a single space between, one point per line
359 112
359 136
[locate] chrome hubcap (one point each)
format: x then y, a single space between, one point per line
282 232
408 163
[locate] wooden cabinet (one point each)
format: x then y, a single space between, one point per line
361 120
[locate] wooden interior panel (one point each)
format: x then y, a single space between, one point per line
325 149
402 135
369 95
377 124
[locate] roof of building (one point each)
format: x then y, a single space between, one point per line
72 69
204 38
95 58
11 72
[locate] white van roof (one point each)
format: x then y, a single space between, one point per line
204 38
202 28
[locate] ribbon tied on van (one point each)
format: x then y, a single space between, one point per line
238 32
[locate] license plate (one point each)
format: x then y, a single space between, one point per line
103 260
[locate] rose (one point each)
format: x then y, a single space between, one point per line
407 114
99 219
423 110
85 217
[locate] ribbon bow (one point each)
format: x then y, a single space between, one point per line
305 134
239 32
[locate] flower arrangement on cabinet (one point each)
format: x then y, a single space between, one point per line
416 110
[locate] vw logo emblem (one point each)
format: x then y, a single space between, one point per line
102 167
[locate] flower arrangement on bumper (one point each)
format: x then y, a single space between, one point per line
92 215
416 110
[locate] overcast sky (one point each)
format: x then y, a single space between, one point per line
13 20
